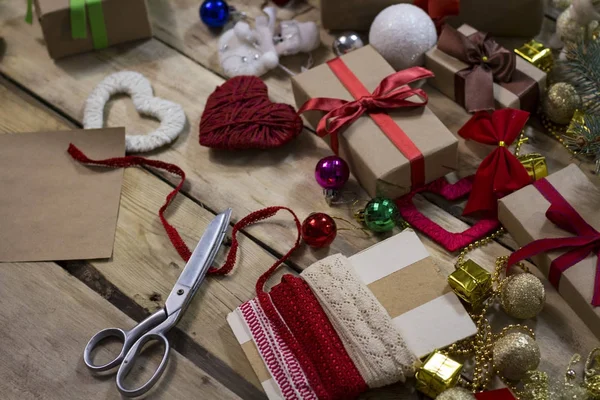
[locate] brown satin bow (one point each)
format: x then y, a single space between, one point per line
488 62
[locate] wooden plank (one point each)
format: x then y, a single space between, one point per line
46 319
243 180
291 184
194 39
145 265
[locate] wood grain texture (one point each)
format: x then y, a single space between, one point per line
242 180
145 265
47 318
181 63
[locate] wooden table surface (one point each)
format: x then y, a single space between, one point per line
49 310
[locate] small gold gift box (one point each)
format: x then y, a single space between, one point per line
535 164
577 120
471 283
438 373
537 54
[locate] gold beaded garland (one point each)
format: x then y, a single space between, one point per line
456 393
515 354
560 103
522 296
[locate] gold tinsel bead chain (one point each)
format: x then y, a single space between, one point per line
478 244
553 130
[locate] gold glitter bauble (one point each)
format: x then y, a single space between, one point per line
570 392
561 4
568 28
515 354
456 393
593 386
523 296
560 103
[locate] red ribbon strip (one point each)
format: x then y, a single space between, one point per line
174 236
393 92
586 241
500 173
316 344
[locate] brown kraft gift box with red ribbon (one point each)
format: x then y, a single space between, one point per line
557 221
479 74
379 125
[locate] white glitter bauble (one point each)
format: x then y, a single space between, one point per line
402 33
456 393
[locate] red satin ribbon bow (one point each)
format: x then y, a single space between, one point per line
391 93
586 241
500 173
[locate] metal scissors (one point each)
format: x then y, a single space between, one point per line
156 325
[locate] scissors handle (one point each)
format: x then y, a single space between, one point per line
127 337
156 334
130 360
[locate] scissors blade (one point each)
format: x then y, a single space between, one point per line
199 263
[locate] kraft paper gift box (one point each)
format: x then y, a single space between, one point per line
404 278
122 21
498 17
523 92
380 167
523 214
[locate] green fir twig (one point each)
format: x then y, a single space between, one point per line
582 66
584 138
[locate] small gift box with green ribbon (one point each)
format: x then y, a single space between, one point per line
76 26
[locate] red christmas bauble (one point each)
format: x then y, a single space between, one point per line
318 230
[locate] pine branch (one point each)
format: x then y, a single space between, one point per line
583 137
582 65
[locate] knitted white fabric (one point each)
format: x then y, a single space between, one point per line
171 115
364 326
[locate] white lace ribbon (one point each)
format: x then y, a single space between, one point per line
364 326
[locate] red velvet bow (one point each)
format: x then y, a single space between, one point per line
392 92
500 173
586 241
438 10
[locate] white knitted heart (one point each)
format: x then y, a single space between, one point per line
170 115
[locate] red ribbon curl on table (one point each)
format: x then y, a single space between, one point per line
500 173
393 92
182 249
488 62
586 241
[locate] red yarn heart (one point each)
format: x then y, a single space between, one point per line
239 115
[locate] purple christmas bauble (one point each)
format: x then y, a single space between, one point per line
332 172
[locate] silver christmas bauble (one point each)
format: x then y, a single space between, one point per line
523 296
456 393
560 103
515 354
347 42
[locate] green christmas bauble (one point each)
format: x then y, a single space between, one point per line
381 215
